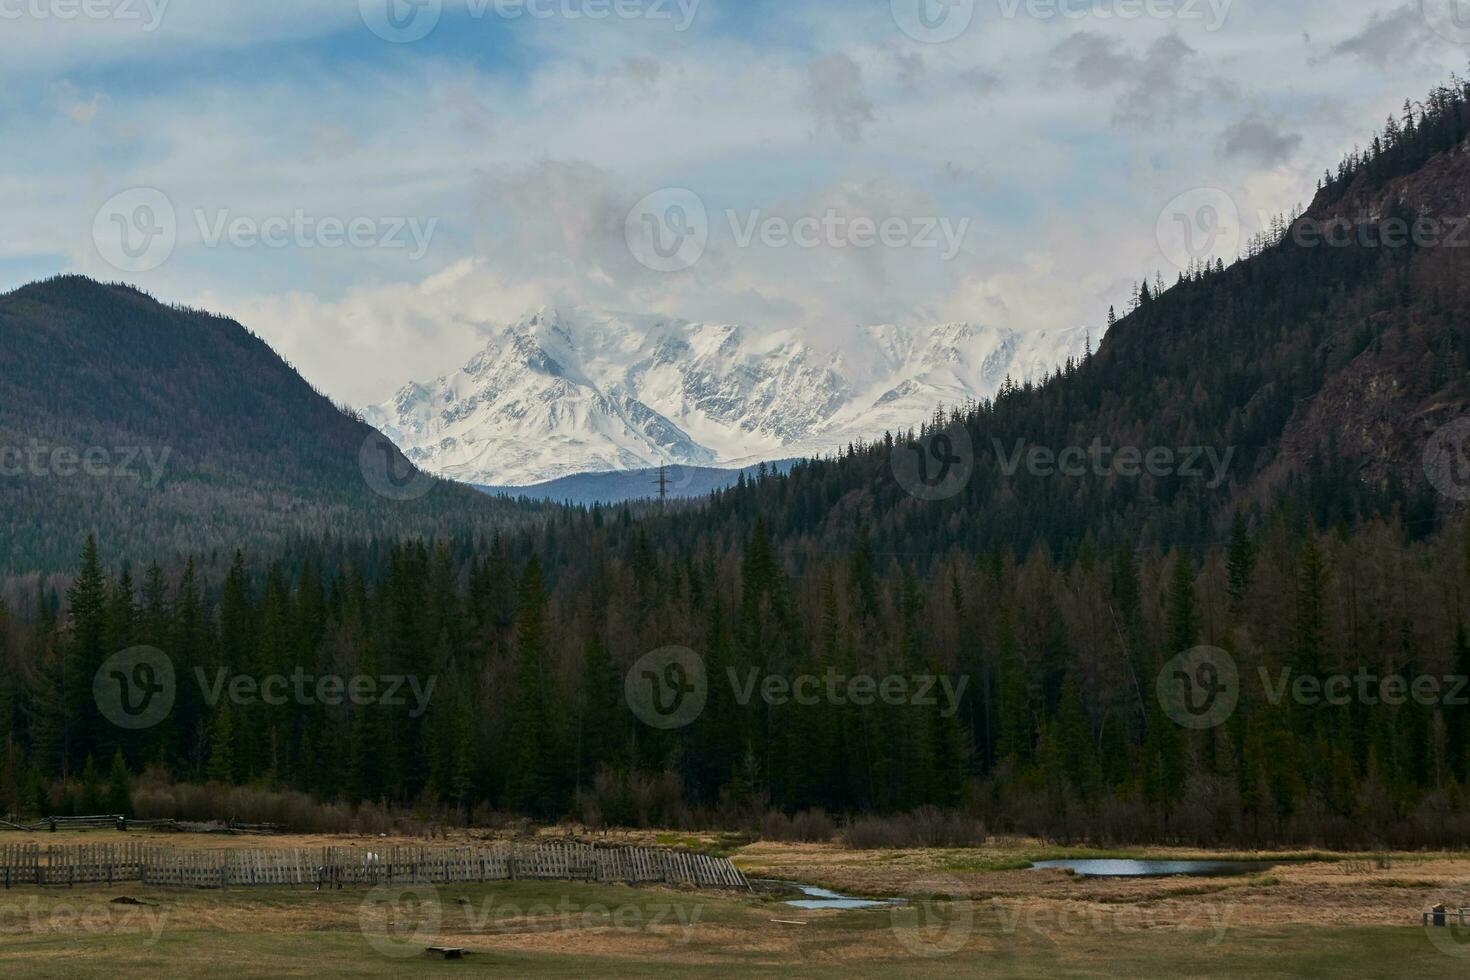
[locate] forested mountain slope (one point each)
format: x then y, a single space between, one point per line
171 431
1320 366
1026 623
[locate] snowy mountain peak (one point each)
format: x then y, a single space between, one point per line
571 390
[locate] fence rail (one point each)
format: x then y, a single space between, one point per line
335 867
116 821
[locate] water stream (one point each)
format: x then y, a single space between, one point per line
1115 868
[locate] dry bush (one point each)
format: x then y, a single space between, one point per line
157 799
634 799
807 827
928 826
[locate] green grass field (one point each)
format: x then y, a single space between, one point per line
556 929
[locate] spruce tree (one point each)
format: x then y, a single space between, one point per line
529 758
119 787
84 729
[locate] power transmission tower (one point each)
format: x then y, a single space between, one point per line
663 485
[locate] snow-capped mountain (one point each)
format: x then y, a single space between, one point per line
574 391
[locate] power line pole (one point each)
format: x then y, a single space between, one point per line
663 485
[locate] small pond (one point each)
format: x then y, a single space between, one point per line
821 898
1115 868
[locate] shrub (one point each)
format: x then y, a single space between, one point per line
928 826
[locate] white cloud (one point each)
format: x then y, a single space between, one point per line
1059 140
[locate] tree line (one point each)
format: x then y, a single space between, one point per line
1057 729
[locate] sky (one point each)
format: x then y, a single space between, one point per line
371 185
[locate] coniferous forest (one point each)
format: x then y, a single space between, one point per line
1038 611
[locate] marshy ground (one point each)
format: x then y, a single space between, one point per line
972 911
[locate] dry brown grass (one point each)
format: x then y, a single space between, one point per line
1343 891
1322 892
641 838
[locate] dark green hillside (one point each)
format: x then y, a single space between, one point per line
253 452
1322 369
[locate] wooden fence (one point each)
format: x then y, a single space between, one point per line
72 864
116 821
76 864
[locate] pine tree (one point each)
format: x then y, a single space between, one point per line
92 801
1241 559
87 618
1163 772
188 644
1183 617
1074 740
529 785
1310 585
222 746
119 787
